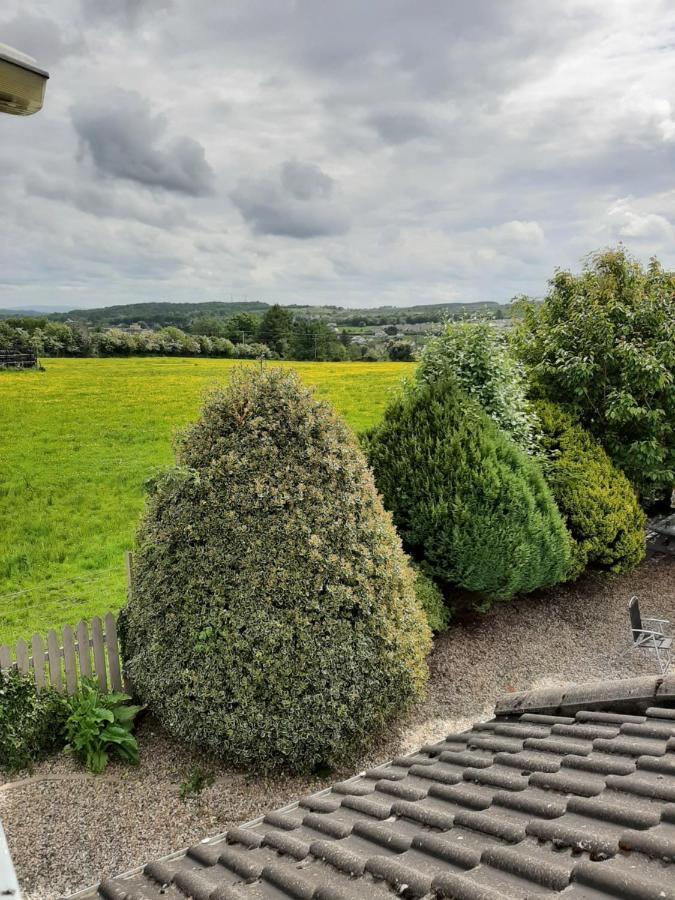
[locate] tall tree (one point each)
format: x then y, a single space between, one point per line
603 344
275 329
243 328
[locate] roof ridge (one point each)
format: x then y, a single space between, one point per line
626 695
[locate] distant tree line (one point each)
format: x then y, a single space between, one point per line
277 334
158 315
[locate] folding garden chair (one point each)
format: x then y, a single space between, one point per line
649 634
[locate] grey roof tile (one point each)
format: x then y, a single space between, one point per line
601 763
618 878
456 849
583 833
661 712
537 803
629 745
547 720
529 761
533 862
645 783
569 782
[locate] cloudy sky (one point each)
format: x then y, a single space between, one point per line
358 153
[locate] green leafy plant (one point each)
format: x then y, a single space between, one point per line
466 500
603 344
99 725
198 779
596 500
32 722
431 600
478 358
273 619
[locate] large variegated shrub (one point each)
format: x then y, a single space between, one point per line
273 619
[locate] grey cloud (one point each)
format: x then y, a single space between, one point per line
126 13
126 140
447 48
109 201
296 201
517 128
40 37
399 127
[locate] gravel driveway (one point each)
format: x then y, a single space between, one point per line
66 828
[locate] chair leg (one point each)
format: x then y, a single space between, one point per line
663 657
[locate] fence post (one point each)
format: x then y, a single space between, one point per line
99 652
69 660
22 663
83 649
113 652
38 661
54 654
129 565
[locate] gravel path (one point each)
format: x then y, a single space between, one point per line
66 828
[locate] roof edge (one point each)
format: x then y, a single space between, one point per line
627 695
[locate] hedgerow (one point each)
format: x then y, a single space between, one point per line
596 500
273 619
465 499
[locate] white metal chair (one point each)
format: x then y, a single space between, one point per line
650 634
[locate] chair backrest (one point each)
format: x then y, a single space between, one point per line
635 618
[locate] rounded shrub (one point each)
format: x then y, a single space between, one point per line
596 500
431 600
273 618
32 722
466 500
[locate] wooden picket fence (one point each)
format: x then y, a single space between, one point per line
69 657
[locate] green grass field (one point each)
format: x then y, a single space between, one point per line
77 443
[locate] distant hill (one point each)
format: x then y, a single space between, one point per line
158 315
33 311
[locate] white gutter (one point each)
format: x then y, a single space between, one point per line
9 886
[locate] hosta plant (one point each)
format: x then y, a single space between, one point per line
99 726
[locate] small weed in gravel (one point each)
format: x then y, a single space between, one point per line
198 779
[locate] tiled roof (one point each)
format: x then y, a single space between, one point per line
566 792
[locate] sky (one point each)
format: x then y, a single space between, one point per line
353 153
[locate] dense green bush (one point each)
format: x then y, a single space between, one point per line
596 499
478 358
603 343
401 351
32 723
431 600
273 619
466 500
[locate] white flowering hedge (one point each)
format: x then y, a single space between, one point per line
478 358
